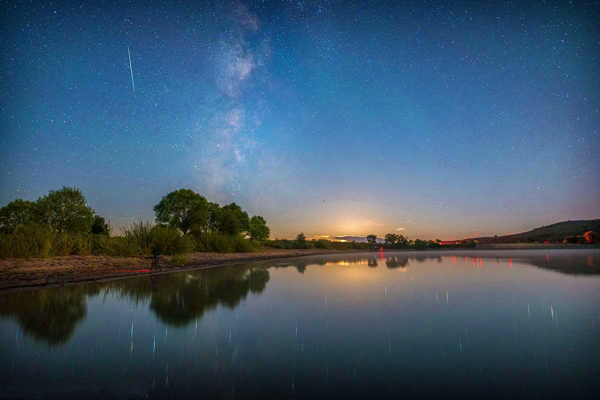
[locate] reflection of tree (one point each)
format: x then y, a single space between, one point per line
396 262
180 298
301 267
51 315
48 315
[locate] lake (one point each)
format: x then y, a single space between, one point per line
485 324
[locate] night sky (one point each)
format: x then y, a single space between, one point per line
430 119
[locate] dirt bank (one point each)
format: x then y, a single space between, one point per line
19 273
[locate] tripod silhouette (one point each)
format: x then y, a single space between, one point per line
154 265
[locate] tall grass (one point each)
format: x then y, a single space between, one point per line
32 240
138 239
144 238
215 242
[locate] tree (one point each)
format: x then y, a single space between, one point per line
64 210
301 238
391 238
372 239
182 209
15 213
230 219
99 226
258 229
420 244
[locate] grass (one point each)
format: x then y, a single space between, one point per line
138 239
219 243
29 241
180 260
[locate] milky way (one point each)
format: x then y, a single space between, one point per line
332 118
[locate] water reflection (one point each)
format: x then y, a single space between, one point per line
52 315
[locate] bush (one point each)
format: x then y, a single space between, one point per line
242 245
26 241
322 244
37 241
140 235
420 245
213 242
179 260
150 239
118 246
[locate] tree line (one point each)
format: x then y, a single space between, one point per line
62 223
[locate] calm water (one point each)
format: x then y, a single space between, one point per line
469 324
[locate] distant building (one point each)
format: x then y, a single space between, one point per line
457 242
452 242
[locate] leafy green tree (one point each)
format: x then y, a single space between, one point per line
183 209
420 244
230 219
213 216
391 238
372 239
99 226
258 229
64 210
15 213
301 238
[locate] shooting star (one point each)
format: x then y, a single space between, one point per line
131 69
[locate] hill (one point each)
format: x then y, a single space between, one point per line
553 233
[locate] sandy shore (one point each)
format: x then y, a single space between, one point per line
20 273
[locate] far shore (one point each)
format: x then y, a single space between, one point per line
28 274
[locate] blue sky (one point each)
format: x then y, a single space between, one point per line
332 118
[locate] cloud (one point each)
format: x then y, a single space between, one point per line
401 229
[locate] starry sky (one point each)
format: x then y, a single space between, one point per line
433 119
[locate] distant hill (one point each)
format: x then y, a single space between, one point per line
553 233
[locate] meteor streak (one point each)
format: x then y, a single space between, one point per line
131 69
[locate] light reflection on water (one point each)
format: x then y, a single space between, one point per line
353 325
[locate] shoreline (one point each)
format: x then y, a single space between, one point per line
31 274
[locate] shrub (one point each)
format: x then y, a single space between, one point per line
62 245
179 260
420 245
119 246
322 244
242 245
26 241
100 227
15 213
213 242
140 234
